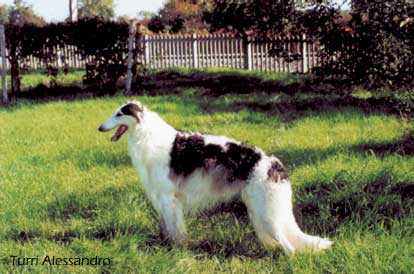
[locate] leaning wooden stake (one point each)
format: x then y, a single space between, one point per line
129 65
3 65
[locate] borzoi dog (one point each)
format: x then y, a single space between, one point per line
188 171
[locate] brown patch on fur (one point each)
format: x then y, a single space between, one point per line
190 152
221 184
132 109
277 172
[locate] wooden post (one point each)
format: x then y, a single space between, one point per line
247 52
194 51
73 10
3 65
146 49
129 65
305 65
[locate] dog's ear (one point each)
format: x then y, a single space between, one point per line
133 109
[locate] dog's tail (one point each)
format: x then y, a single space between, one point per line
303 241
300 240
270 209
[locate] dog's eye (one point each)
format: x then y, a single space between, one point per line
118 114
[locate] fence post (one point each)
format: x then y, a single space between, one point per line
73 10
146 50
3 65
305 66
247 53
129 64
194 51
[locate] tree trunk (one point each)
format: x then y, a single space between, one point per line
14 71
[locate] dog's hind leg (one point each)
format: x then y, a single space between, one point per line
172 218
268 212
270 209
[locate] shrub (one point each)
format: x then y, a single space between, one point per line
373 48
105 41
156 24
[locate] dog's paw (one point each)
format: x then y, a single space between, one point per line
324 244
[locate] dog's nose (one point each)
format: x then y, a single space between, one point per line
101 128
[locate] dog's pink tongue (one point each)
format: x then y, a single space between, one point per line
119 132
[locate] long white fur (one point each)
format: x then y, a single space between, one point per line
269 204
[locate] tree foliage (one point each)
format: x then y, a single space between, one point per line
105 41
143 14
251 17
20 13
17 16
4 13
94 8
382 43
180 16
373 48
156 24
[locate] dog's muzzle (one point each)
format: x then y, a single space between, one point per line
102 129
118 134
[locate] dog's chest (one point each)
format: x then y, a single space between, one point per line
151 161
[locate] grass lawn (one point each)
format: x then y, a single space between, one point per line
67 191
35 78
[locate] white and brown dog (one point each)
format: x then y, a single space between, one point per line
188 171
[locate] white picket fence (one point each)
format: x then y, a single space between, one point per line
65 55
202 51
224 50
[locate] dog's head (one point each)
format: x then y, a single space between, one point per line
129 115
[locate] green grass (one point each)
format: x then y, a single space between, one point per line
66 190
37 77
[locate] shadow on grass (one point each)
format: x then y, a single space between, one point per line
313 96
215 248
108 233
75 206
299 157
217 83
43 94
72 205
306 156
333 93
88 206
403 146
235 207
247 245
233 81
229 249
380 201
65 238
325 208
291 108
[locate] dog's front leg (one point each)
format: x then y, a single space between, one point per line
172 219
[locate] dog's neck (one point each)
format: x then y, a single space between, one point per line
151 130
